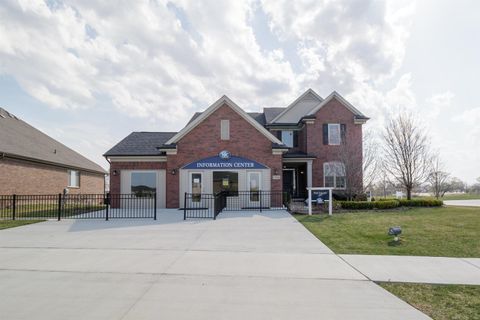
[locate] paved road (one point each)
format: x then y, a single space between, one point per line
242 266
463 203
436 270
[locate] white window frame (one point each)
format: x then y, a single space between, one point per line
290 132
334 163
190 181
69 183
225 129
331 127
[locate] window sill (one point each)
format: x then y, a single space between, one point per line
72 187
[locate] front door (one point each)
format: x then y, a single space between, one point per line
289 181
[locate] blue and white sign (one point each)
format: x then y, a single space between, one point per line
224 155
225 162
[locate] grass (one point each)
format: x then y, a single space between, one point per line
461 196
441 302
5 224
445 231
49 210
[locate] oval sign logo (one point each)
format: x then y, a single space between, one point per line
224 155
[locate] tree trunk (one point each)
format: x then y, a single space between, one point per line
409 194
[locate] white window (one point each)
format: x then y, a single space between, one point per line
225 129
334 175
73 179
334 135
287 138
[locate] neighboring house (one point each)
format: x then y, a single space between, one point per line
226 148
33 163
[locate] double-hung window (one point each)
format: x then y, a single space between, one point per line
334 175
73 179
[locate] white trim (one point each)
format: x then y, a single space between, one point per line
279 151
342 100
138 158
223 100
291 105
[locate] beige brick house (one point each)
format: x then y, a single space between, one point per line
33 163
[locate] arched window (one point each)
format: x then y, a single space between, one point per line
334 175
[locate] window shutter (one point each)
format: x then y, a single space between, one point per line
343 132
295 139
325 133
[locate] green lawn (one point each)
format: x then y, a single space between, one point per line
5 224
461 196
42 210
441 302
446 231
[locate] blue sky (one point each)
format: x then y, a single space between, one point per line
88 74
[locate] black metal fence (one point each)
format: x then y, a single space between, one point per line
77 206
210 205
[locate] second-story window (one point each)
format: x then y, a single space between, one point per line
225 129
289 138
334 134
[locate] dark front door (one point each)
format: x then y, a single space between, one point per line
289 181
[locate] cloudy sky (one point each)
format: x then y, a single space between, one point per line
88 74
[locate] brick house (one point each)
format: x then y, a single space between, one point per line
33 163
225 148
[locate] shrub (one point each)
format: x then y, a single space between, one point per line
421 203
365 205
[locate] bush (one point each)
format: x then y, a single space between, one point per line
421 203
365 205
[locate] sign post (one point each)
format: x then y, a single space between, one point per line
310 199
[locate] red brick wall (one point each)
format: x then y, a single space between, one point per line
332 112
119 166
204 141
23 177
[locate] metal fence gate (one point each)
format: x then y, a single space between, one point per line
208 205
78 206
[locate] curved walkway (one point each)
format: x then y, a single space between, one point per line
463 203
244 265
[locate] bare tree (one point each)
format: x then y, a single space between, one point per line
406 152
438 178
370 159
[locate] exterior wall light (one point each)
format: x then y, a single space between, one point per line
114 172
174 171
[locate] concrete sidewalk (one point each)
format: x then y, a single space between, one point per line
244 265
463 203
437 270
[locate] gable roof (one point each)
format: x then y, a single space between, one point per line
217 104
342 100
303 103
21 140
140 144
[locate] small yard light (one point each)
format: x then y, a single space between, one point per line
395 232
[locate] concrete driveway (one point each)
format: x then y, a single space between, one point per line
241 266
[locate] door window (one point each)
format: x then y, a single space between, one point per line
254 185
196 185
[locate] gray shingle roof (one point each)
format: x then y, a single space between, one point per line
18 138
140 144
271 113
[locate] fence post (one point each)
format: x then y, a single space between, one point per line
107 200
185 206
59 207
260 195
155 206
14 207
107 203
